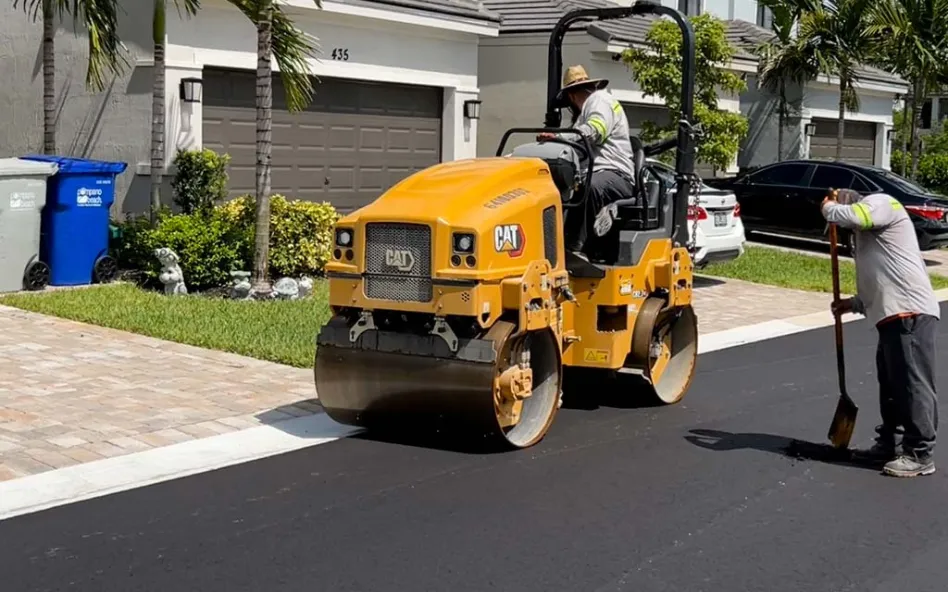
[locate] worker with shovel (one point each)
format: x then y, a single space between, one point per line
894 292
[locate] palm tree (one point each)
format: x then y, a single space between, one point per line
100 19
913 42
158 89
782 61
277 38
835 35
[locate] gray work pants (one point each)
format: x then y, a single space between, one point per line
908 404
607 186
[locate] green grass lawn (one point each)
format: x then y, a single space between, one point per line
764 265
284 331
279 331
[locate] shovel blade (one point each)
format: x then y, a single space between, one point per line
844 422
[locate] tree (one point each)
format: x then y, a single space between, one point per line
657 71
100 19
782 61
277 38
912 42
835 35
158 90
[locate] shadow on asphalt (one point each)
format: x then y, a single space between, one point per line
589 390
800 450
703 281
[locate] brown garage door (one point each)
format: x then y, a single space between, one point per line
859 141
638 114
354 141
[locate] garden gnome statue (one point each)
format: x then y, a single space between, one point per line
306 286
171 275
241 288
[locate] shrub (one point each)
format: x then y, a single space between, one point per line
208 244
300 232
932 169
200 180
215 242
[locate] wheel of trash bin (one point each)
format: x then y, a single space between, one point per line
36 276
105 269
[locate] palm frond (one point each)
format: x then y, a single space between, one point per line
292 49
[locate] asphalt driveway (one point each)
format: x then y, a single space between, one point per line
702 496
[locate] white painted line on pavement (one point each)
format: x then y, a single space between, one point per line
113 475
130 471
778 328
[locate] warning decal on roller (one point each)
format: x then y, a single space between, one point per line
598 356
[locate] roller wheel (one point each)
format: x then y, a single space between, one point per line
36 276
665 349
527 384
105 270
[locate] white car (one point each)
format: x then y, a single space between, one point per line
719 232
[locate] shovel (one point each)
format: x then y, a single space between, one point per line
844 420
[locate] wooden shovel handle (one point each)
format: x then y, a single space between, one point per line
834 262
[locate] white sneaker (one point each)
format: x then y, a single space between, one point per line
603 223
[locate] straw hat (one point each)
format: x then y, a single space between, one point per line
576 77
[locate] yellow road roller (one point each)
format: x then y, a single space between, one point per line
453 301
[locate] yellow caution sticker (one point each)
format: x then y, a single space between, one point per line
599 356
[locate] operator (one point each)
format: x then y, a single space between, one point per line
895 293
601 119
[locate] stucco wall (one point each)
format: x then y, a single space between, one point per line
760 108
377 51
111 125
513 78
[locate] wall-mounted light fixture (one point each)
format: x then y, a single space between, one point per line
472 109
810 129
889 135
191 90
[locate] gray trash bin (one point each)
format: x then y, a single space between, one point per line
22 197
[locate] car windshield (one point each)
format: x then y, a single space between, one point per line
903 183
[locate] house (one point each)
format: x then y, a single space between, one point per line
513 66
512 74
393 80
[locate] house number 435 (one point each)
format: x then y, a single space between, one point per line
341 54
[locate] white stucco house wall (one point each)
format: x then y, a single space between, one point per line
512 73
391 82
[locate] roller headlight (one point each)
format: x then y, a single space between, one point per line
463 243
344 237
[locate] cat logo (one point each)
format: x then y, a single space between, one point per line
509 238
400 259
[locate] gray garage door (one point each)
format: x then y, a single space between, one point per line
859 141
355 140
637 114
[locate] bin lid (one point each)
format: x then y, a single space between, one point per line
16 167
80 165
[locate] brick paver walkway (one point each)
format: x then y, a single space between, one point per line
73 393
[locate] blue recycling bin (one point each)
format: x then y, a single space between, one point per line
74 238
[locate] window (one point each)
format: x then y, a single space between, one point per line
829 176
765 18
781 174
690 7
863 185
927 114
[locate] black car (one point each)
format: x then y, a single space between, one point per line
784 198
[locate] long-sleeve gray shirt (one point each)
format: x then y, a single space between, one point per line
891 278
603 122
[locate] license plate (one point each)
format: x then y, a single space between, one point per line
720 218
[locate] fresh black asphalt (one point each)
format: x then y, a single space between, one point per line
701 496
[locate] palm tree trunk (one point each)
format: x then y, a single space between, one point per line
264 146
781 119
841 125
158 108
49 79
918 92
905 111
